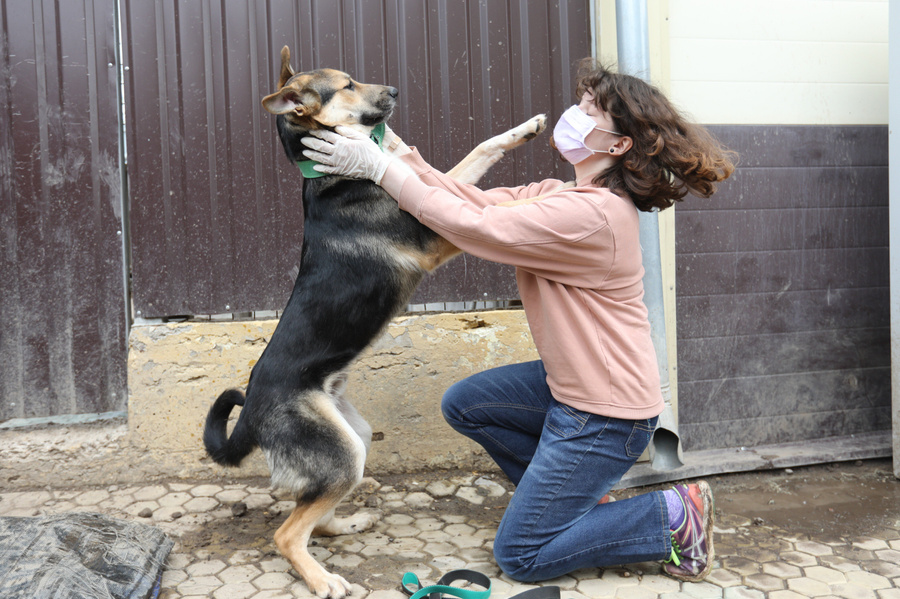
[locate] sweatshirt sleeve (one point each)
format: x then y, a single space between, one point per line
472 193
557 237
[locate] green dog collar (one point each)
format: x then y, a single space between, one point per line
306 166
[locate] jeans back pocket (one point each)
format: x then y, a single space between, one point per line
641 433
565 421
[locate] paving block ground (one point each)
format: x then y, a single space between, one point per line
822 531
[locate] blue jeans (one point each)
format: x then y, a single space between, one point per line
562 461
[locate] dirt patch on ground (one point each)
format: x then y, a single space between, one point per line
254 529
829 501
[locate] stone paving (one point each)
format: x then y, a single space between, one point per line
224 548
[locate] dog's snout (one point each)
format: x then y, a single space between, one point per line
393 92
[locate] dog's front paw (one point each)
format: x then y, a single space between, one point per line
539 122
532 127
520 134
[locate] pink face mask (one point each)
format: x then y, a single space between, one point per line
570 132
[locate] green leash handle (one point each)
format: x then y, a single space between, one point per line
411 586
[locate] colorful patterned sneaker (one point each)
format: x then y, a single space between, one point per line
692 544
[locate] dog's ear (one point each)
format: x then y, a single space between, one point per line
336 384
288 99
286 71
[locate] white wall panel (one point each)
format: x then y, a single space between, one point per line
780 61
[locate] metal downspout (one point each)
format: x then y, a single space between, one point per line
894 220
634 59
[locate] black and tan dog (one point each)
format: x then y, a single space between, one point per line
362 258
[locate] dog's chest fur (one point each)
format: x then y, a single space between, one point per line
357 270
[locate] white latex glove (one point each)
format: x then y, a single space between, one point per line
347 153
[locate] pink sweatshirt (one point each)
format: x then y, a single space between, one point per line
578 266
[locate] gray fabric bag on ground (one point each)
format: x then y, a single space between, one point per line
80 556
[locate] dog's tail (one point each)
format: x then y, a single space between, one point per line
225 450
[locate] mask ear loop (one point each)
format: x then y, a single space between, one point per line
608 131
611 150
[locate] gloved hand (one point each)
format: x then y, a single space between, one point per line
347 153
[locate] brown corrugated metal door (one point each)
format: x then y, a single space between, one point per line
215 206
783 291
62 340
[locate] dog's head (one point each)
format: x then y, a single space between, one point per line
324 99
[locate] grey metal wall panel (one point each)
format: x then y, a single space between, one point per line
216 220
62 343
782 290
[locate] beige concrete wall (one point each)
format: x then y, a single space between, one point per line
175 371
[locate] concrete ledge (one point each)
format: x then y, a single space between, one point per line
764 457
67 455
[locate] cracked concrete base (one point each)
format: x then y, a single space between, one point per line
176 370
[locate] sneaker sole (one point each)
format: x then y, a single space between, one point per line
709 512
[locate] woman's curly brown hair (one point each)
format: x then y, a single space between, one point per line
670 156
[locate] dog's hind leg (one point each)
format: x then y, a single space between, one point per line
330 525
292 539
489 152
